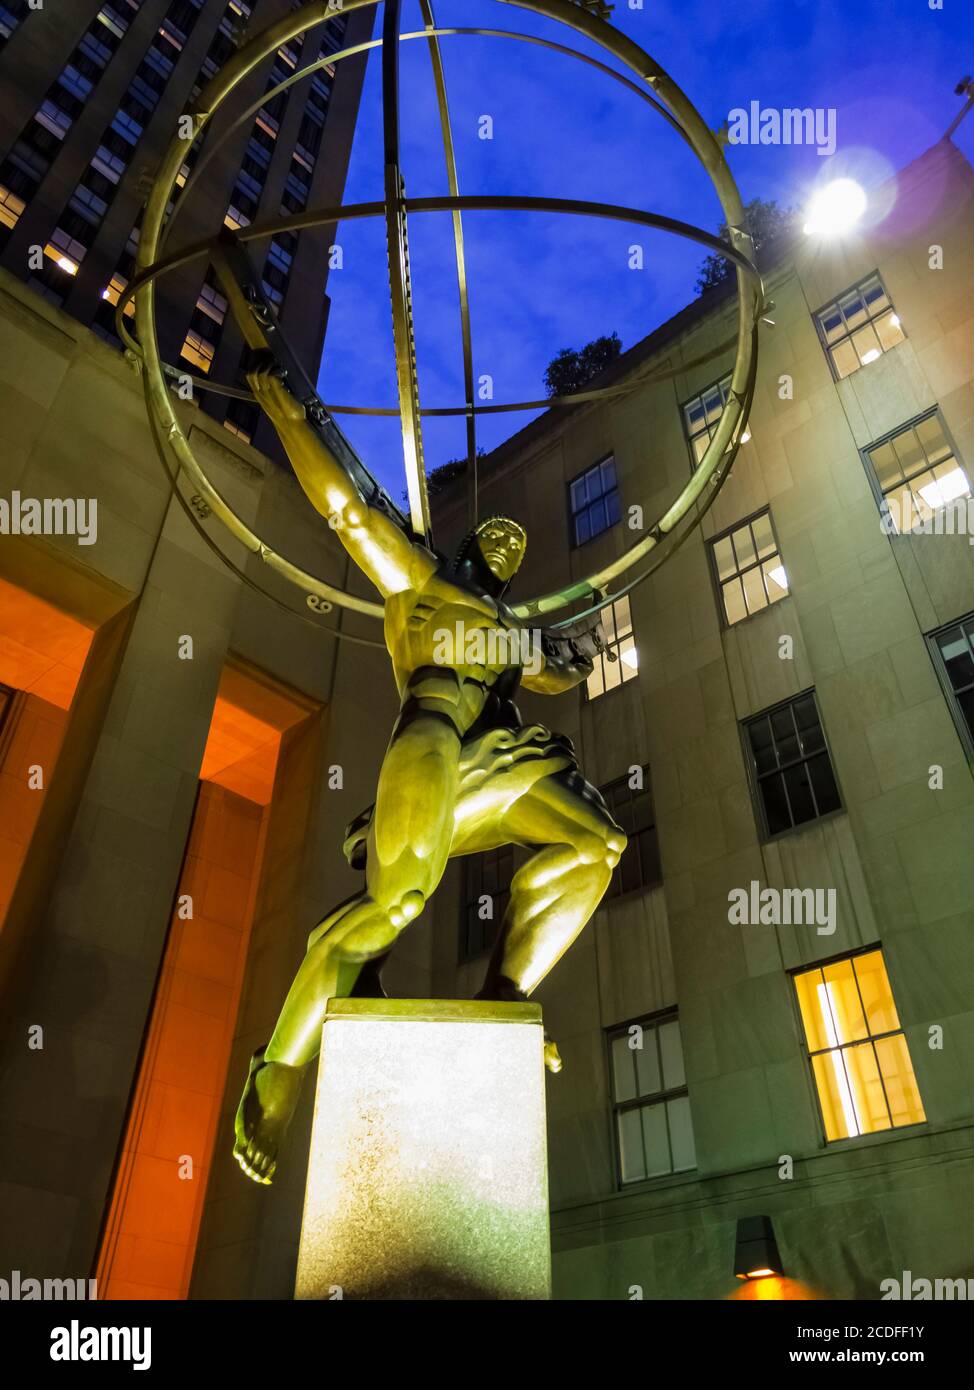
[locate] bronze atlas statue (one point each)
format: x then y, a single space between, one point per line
461 773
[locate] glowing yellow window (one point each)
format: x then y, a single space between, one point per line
10 207
860 1060
197 350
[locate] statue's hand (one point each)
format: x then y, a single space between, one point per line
273 396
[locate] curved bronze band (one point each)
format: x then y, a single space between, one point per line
712 467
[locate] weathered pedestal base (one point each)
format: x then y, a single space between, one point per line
428 1170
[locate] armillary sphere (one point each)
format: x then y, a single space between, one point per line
198 495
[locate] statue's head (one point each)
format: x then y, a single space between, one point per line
492 552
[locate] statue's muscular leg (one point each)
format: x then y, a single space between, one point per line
409 841
555 893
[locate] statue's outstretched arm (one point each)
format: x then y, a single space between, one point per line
384 553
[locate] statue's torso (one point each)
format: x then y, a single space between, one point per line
450 646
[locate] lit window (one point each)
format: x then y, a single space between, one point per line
790 765
113 291
594 497
112 21
859 327
10 207
235 219
487 889
856 1047
917 473
620 661
701 415
212 303
108 164
651 1108
632 809
198 351
748 568
287 55
65 251
953 652
267 123
52 118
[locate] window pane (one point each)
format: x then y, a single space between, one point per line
754 594
647 1065
902 1093
681 1134
785 738
955 651
775 579
933 439
724 558
889 330
776 810
734 605
631 1146
886 465
656 1140
623 616
867 1089
628 658
866 345
623 1069
877 997
839 1002
815 1012
608 470
613 508
583 529
579 494
835 1095
744 547
908 452
671 1049
597 519
844 359
763 535
823 784
799 794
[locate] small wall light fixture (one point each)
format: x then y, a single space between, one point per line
756 1252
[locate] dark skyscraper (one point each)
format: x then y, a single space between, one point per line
92 95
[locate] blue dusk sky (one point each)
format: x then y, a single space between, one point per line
540 282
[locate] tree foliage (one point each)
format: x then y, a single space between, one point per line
765 221
571 370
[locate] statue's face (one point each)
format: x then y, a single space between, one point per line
502 544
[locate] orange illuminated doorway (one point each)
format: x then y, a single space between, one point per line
42 653
149 1241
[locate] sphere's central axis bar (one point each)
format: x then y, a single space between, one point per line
399 283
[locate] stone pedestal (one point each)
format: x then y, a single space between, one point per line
428 1173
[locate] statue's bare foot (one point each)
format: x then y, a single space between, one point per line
263 1115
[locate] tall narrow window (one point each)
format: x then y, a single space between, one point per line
856 1047
791 765
953 653
859 327
594 501
651 1109
487 890
632 808
748 568
916 472
620 661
